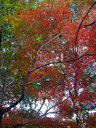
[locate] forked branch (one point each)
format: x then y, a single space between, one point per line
76 47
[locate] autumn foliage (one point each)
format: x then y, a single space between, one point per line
54 64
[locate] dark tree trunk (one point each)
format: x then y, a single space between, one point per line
1 114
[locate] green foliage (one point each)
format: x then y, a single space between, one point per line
92 86
36 85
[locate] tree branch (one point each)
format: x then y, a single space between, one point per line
22 95
58 62
89 24
26 76
41 105
47 111
80 26
8 68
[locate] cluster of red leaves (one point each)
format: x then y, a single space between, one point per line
48 35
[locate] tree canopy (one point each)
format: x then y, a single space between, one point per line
47 63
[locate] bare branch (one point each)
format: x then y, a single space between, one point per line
32 81
41 105
8 68
49 42
26 76
80 26
22 94
46 113
89 24
58 62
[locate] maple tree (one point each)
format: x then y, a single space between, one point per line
50 57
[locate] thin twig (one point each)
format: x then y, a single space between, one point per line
89 24
41 105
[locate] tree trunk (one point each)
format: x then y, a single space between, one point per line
1 114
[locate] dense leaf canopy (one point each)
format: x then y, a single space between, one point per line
47 63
